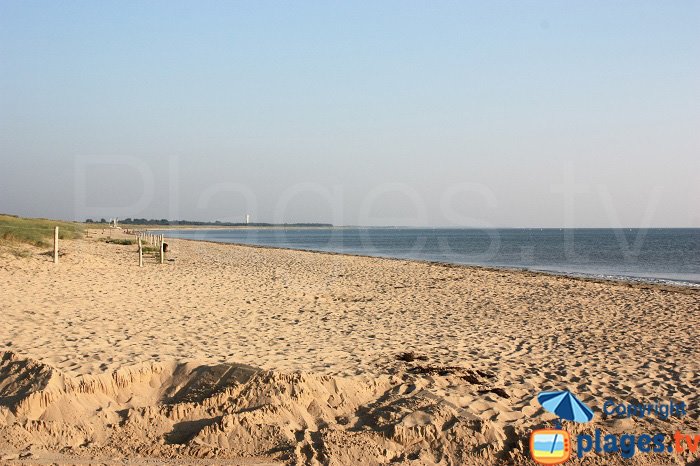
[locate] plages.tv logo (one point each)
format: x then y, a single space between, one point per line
553 446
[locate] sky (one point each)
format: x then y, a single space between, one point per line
481 114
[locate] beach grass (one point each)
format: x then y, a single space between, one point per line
122 242
35 231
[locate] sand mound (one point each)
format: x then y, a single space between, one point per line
184 412
173 410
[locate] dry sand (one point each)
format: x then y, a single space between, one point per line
240 355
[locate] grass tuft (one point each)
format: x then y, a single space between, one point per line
123 242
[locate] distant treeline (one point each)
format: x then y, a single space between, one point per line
163 221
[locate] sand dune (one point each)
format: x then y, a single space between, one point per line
255 355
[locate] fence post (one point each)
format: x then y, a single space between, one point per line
140 253
55 245
162 254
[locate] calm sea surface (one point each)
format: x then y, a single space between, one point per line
663 255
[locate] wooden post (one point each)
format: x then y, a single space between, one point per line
55 245
162 254
140 253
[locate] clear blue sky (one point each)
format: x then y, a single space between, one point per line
420 113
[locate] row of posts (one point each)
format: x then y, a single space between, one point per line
153 240
149 238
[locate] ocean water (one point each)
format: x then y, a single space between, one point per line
658 255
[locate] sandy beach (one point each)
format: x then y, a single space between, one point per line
231 354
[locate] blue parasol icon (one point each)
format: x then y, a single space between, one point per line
565 405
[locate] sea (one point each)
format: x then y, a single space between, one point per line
661 255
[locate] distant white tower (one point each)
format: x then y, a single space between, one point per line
247 219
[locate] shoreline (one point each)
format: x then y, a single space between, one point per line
661 284
220 227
